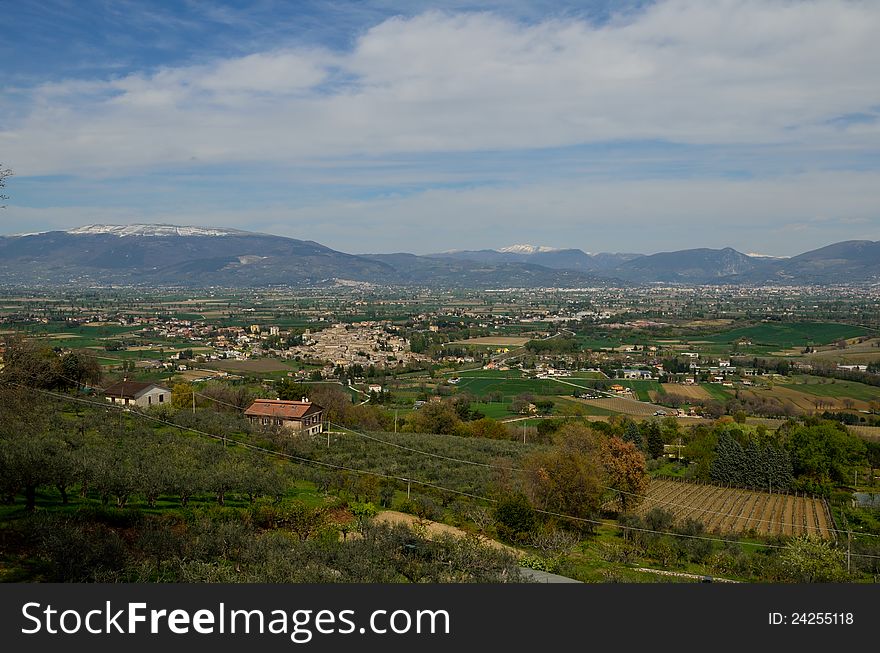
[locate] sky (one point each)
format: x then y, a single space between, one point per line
384 125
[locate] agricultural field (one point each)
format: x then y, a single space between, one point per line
481 386
717 392
866 432
257 365
493 409
493 341
805 401
729 511
785 336
696 392
621 405
642 389
837 388
575 376
494 374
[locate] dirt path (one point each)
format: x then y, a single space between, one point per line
436 528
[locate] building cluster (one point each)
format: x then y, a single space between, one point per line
364 343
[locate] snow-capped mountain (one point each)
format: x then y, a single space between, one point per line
161 230
527 249
163 254
550 257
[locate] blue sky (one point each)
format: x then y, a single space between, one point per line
425 126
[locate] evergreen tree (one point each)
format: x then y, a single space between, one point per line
653 439
632 434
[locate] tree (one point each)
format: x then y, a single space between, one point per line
30 363
633 434
812 560
824 451
182 396
568 479
485 428
291 391
434 417
625 472
514 518
653 439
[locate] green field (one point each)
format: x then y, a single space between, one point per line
493 409
717 391
783 336
592 342
822 387
642 388
495 374
511 387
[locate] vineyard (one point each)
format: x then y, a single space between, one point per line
732 510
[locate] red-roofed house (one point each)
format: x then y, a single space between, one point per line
302 416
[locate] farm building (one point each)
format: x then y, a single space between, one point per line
633 374
127 392
302 416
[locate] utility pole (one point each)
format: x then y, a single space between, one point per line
407 488
194 401
395 421
848 551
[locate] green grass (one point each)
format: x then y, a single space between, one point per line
493 409
495 374
642 388
574 376
509 388
794 334
717 391
822 387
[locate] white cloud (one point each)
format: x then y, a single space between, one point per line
785 216
731 71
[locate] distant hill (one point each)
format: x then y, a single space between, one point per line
557 259
691 266
152 254
196 256
845 261
157 255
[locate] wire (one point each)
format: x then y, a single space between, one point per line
410 480
428 453
644 497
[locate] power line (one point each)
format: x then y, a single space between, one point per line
410 480
519 469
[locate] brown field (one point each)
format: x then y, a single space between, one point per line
258 365
866 432
621 405
708 323
727 511
804 402
194 375
689 391
500 341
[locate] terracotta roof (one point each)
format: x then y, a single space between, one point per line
282 408
130 389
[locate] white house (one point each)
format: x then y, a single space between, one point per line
140 394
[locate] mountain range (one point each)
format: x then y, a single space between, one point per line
158 255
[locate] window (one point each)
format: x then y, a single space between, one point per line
161 398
